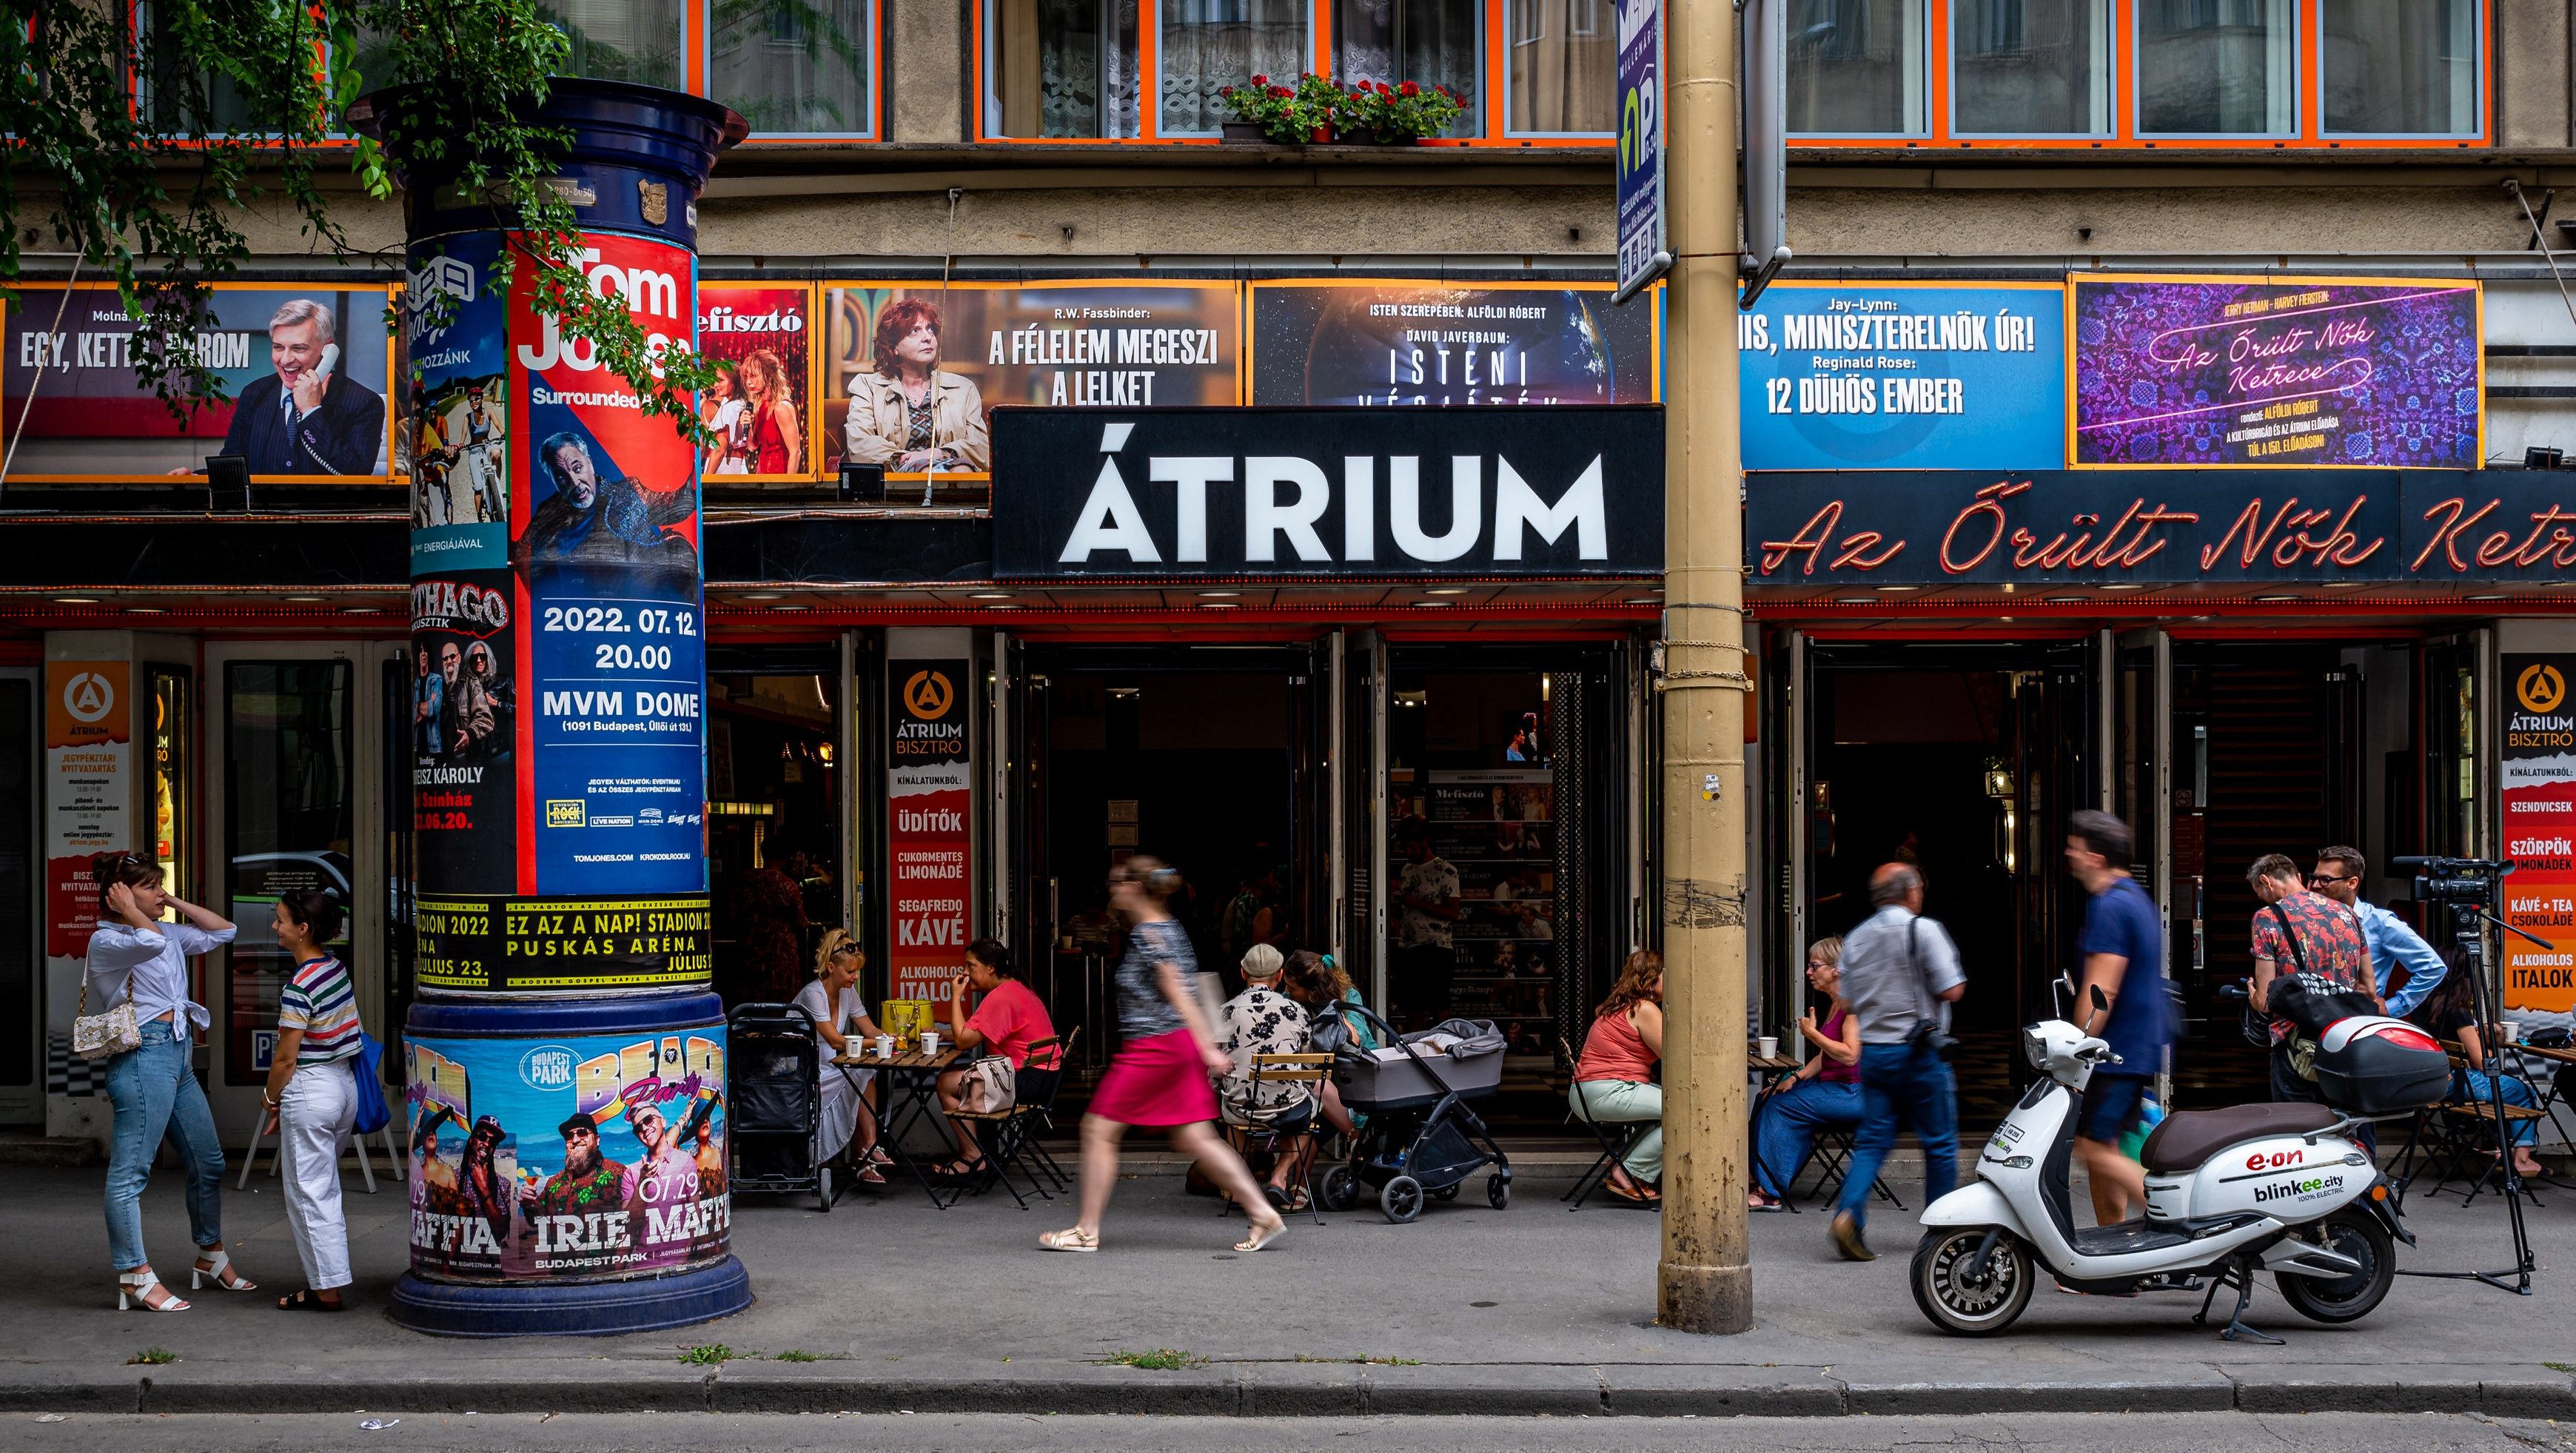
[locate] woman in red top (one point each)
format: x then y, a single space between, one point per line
1823 1091
1614 1080
777 444
1007 1020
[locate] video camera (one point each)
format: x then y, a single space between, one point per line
2457 882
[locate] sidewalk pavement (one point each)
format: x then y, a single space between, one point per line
1468 1310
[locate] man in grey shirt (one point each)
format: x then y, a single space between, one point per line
1900 972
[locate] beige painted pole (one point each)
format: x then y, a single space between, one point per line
1705 1281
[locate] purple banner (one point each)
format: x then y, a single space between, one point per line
2317 371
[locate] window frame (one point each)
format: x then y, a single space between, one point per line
698 63
1934 78
1945 75
2302 85
2481 51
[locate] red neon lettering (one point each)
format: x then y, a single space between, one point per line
1811 537
1986 504
2446 538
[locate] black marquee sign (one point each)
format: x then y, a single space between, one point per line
1350 493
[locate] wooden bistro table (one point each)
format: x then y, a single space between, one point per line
912 1084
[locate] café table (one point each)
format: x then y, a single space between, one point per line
912 1083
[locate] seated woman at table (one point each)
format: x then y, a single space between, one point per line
1320 987
1823 1091
1007 1020
840 1022
1615 1078
2453 1013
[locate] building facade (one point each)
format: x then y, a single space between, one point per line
1976 413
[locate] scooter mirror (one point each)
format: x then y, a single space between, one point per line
2100 1003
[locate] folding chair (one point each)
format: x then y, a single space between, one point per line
366 1170
1833 1151
1004 1140
2462 1131
1616 1139
1308 1069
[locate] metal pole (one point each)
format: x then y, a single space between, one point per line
1705 1281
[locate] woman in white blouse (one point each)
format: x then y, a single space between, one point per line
840 1021
153 1087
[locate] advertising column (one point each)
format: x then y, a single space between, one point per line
566 1062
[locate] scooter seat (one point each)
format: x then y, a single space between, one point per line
2188 1137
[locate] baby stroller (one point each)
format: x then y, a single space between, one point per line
776 1098
1420 1139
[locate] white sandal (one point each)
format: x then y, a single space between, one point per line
1072 1238
1263 1235
223 1263
135 1288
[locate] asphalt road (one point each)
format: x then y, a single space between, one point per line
787 1433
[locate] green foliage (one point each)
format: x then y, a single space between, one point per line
153 1357
714 1354
242 105
1161 1359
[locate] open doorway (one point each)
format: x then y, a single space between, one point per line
774 797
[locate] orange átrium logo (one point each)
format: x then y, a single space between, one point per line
2540 688
928 695
88 697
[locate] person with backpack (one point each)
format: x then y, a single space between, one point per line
312 1093
2311 967
1899 972
2124 955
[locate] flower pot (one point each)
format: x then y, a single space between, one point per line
1239 133
1323 136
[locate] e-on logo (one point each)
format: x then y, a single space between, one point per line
547 1067
2541 688
928 695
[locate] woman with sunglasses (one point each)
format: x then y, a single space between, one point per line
153 1087
1825 1091
841 1024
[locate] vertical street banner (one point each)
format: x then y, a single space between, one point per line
2539 790
1643 251
89 791
929 809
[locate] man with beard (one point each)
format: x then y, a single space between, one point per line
589 1181
665 1180
477 707
590 520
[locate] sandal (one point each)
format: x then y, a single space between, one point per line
309 1301
867 1176
1263 1235
1631 1194
220 1267
136 1289
1758 1202
1072 1238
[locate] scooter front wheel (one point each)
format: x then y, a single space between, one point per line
2357 1234
1963 1297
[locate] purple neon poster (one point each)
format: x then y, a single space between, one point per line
2273 372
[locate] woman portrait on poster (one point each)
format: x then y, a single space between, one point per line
910 415
777 441
721 411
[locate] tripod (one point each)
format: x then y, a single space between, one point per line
2469 924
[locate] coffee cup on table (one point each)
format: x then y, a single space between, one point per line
2510 1031
885 1046
930 1041
1766 1046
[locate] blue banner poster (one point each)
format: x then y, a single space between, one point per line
458 419
1898 375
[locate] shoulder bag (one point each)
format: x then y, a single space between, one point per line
989 1087
96 1036
1929 1034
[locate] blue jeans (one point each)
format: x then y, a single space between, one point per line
155 1093
1785 1125
1902 1085
2472 1086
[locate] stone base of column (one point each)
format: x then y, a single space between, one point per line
1709 1299
585 1309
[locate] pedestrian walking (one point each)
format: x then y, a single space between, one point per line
2124 955
312 1093
1163 1072
152 1088
1898 971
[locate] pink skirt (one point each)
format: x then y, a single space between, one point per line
1157 1081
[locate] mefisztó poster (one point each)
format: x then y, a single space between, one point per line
2539 791
2274 371
929 837
463 708
1903 376
457 433
304 370
584 1158
761 410
1441 344
604 540
89 791
912 372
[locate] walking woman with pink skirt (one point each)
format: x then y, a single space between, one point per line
1163 1073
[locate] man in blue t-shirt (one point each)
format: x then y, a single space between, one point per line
2124 956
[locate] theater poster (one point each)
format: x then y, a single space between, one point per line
929 810
761 335
2539 789
926 363
2273 371
1442 344
304 371
580 1158
458 427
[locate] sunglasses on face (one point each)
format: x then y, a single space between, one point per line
2316 880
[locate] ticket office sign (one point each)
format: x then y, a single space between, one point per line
2539 790
476 945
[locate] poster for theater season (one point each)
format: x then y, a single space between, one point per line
1400 343
604 544
2540 832
929 841
89 789
761 337
912 372
304 371
2275 371
580 1158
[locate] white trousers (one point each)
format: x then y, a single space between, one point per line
313 1117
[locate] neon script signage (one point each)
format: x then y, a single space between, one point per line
2175 527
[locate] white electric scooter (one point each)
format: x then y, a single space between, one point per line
2278 1187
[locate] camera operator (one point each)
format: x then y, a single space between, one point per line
2309 935
2393 944
1899 969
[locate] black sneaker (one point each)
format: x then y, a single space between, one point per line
1846 1233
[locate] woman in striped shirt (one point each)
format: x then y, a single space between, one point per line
312 1093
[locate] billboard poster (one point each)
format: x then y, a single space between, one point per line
611 761
89 790
929 843
912 373
2273 371
536 945
760 409
2539 790
304 368
458 424
581 1158
1902 375
1394 343
465 705
1643 250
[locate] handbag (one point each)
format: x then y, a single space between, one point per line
373 1112
96 1036
989 1088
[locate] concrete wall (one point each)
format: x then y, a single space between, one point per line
2532 59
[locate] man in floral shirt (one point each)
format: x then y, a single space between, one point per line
588 1182
1261 1020
2307 933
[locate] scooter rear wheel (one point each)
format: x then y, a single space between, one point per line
2357 1234
1967 1306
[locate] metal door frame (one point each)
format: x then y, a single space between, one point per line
1337 807
1801 761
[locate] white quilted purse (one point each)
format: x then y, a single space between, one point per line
96 1036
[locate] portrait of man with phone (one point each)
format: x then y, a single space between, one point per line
307 418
